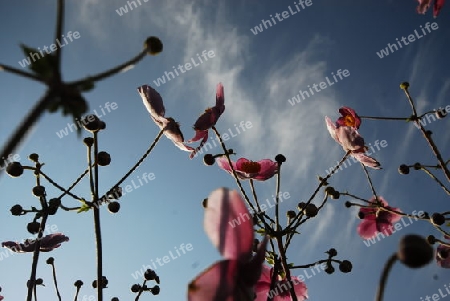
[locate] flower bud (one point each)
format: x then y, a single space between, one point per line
34 157
16 210
33 227
280 159
404 85
332 252
414 251
114 207
88 141
78 283
209 159
440 113
135 288
149 274
91 123
14 169
50 260
345 266
403 169
38 191
290 214
153 45
156 290
103 158
311 210
329 269
417 166
335 195
431 239
438 219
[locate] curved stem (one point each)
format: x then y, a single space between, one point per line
26 124
111 71
384 276
16 71
55 281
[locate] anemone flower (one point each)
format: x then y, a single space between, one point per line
208 119
155 106
350 140
281 290
246 169
233 278
443 255
48 243
376 220
348 118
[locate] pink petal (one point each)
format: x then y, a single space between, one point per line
152 101
18 247
220 99
173 132
52 241
198 135
344 111
443 262
438 4
366 160
222 162
300 288
216 283
268 169
349 138
367 229
229 224
423 6
331 129
250 272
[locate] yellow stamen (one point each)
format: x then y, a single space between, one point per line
349 120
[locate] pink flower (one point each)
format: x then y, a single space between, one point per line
155 106
443 255
229 226
246 169
377 220
350 140
281 291
48 243
349 118
208 119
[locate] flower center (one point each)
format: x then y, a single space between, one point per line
349 120
251 167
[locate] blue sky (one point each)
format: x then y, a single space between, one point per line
260 74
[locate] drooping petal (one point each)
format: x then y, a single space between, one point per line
19 247
331 127
153 102
220 99
423 6
173 132
438 4
216 283
349 118
229 224
52 241
366 160
198 135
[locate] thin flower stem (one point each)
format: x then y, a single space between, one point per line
139 162
26 124
140 291
277 191
384 276
38 241
322 183
273 280
428 138
55 281
238 182
58 34
59 186
370 182
74 183
383 118
98 232
286 267
436 179
19 72
76 293
111 71
255 197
